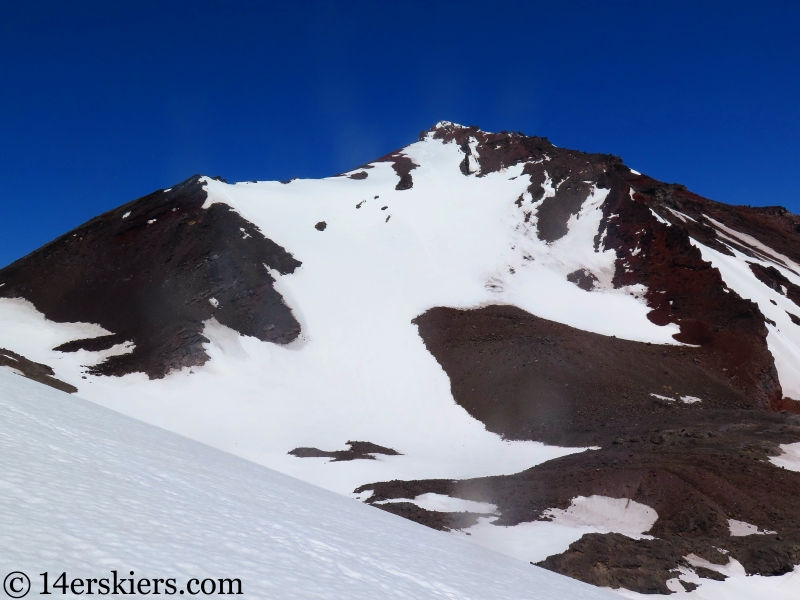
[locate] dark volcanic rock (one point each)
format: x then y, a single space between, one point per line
402 165
681 287
616 561
525 377
697 464
696 472
586 280
104 342
684 289
771 277
33 370
443 521
357 450
148 271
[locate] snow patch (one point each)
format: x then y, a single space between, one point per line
742 528
790 459
737 586
441 503
658 217
680 215
684 399
126 215
24 330
535 541
473 166
748 240
619 515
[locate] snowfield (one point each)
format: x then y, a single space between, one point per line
86 490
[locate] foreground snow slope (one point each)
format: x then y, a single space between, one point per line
86 490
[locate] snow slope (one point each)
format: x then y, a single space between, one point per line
86 490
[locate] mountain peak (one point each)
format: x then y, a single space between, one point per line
457 299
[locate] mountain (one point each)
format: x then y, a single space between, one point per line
194 512
539 348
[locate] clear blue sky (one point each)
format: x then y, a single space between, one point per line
102 102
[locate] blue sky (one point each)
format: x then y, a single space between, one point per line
103 102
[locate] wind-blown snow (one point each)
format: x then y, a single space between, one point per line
86 490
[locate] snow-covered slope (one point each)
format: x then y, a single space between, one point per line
84 490
476 311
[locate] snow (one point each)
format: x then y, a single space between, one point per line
260 400
680 215
684 399
473 166
790 459
620 515
738 586
741 528
126 215
213 302
784 339
86 490
755 244
535 541
658 217
24 330
442 503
